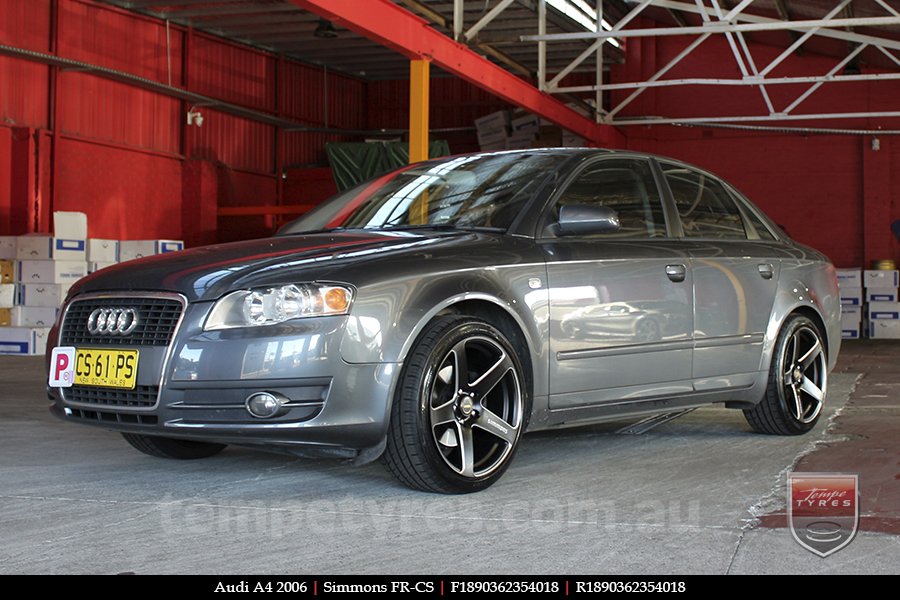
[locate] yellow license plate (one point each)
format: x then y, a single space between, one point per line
106 368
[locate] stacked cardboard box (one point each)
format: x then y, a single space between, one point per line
882 306
133 249
521 130
851 318
850 282
524 130
37 270
492 130
8 292
44 268
102 254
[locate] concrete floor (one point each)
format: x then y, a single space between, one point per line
680 499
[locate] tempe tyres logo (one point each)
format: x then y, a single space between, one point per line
823 510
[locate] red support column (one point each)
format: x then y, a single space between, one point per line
55 127
395 27
278 146
29 184
199 203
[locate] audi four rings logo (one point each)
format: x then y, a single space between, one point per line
112 321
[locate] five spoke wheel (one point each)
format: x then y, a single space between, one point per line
475 406
798 379
460 410
805 374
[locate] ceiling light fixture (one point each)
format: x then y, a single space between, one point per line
325 29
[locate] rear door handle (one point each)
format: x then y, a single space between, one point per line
676 272
766 270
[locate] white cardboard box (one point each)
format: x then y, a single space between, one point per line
8 295
33 316
34 246
93 267
70 235
70 225
129 250
493 147
850 320
8 247
851 314
881 279
884 311
885 329
875 294
525 124
491 137
106 251
851 296
48 295
39 246
495 120
849 278
520 141
23 340
50 271
851 333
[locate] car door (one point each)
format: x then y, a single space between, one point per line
736 265
621 314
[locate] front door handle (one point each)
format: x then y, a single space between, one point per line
676 272
766 271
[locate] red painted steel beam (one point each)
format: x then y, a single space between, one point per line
395 27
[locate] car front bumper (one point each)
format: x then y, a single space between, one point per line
203 379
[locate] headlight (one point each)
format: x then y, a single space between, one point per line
268 306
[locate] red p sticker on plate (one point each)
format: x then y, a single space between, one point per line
62 367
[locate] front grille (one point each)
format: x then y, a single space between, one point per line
143 396
114 417
157 320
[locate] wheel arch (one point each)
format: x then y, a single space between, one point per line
504 320
813 315
492 310
809 296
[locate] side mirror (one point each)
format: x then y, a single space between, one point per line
585 219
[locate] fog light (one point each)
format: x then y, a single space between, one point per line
264 405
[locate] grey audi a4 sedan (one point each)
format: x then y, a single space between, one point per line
433 315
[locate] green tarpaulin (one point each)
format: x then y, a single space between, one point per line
355 162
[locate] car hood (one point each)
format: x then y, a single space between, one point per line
208 272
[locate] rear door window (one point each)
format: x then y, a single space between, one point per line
704 205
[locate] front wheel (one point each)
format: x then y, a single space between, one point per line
460 408
798 380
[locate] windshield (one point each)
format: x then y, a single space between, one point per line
465 192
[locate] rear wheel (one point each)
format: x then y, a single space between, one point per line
798 380
161 447
460 408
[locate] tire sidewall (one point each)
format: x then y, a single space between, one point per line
778 369
464 329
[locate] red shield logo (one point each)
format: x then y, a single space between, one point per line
823 510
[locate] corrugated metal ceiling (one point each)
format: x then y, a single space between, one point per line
283 28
